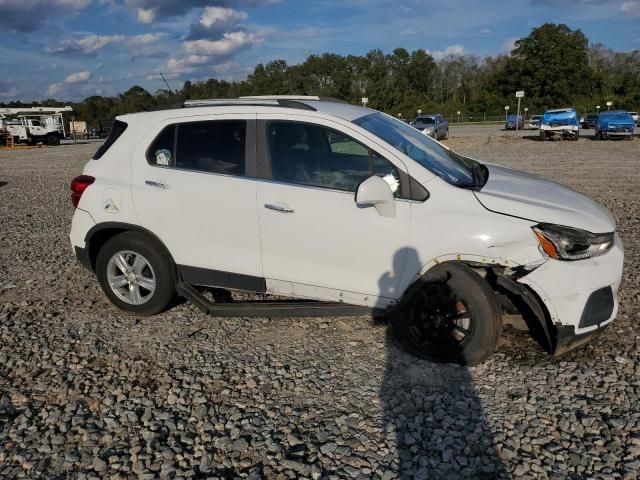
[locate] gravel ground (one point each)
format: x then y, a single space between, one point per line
88 392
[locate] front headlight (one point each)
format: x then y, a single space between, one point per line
565 243
427 130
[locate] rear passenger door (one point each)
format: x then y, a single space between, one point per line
195 188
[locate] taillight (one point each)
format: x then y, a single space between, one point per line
78 186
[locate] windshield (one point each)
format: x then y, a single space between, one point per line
451 167
425 120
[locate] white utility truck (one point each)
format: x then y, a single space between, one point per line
31 125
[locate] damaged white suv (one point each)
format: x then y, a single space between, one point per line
344 210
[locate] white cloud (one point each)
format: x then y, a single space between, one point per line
486 31
214 16
90 44
86 45
78 77
55 89
146 15
147 38
631 8
451 51
229 44
509 44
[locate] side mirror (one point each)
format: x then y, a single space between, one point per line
375 192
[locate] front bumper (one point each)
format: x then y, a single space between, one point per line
580 295
567 339
618 133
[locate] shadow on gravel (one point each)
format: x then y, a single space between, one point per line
431 410
2 184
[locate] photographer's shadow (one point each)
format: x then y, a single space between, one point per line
432 416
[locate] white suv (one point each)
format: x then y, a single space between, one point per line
347 208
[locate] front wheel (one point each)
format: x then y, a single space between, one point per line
135 275
450 316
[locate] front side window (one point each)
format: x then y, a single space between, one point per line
313 155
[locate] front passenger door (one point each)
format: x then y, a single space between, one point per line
316 241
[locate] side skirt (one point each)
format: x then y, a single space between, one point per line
269 308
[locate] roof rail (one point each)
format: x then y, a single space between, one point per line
249 101
300 98
280 97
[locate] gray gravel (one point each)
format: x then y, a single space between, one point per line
88 392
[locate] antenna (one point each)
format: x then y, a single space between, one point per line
165 82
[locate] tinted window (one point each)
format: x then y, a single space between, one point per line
313 155
161 151
117 129
214 147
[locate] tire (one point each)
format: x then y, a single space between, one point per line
154 269
543 136
52 140
451 315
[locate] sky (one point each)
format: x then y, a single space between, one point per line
71 49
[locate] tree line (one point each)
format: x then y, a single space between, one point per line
555 66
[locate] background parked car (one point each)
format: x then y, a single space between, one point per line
635 117
513 121
590 120
534 121
615 124
561 122
434 125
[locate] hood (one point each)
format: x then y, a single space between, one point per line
537 199
563 117
620 120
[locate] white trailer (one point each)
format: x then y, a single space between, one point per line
31 125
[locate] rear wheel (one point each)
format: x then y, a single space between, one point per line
135 275
452 316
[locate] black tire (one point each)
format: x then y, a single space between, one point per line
53 140
543 136
451 315
159 268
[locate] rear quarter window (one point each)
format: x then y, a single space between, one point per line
117 130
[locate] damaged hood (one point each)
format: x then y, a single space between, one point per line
535 198
560 117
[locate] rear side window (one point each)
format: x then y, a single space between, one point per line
117 129
213 147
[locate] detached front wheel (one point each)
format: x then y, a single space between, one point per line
450 316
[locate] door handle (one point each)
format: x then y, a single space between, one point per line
279 207
154 184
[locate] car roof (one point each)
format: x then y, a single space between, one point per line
262 104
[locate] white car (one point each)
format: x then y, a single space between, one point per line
635 117
347 208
